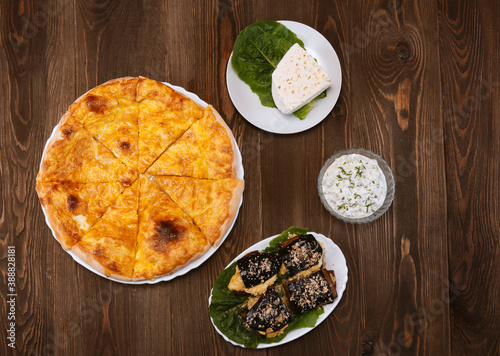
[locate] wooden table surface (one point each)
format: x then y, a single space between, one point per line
420 88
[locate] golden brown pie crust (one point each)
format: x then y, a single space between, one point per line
138 180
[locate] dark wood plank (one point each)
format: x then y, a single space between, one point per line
37 45
290 168
118 39
469 75
344 335
420 87
401 258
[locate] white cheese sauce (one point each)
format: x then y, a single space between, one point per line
354 186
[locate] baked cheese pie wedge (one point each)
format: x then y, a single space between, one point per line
73 208
109 113
212 204
167 238
205 151
121 135
110 245
164 115
72 155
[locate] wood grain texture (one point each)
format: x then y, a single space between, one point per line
470 76
420 87
393 114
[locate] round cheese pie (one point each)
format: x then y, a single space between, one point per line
138 180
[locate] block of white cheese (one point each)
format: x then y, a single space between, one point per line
297 80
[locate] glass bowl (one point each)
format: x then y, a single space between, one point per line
389 178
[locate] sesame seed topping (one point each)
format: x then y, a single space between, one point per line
309 292
256 268
268 314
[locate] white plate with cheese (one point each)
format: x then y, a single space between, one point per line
271 119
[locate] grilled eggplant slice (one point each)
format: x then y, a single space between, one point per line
301 254
269 316
311 292
255 272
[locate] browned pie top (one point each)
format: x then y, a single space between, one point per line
102 205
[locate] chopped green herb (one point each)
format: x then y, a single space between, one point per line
344 172
359 172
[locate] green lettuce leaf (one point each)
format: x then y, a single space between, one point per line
274 243
222 298
303 111
225 309
257 51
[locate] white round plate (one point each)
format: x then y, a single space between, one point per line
334 260
273 120
191 265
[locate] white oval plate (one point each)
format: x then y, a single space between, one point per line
334 260
273 120
191 265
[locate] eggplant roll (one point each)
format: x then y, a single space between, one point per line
269 316
299 254
311 292
255 272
